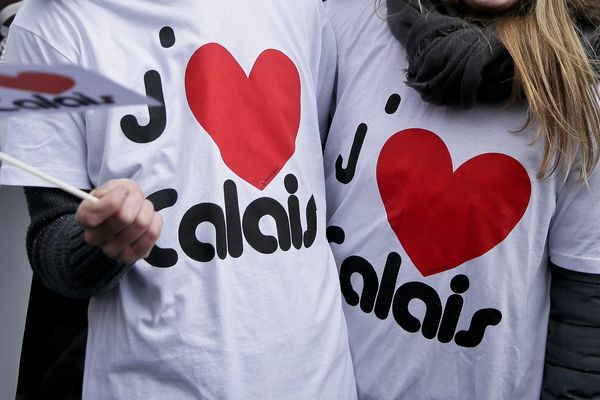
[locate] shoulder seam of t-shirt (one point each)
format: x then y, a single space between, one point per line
13 26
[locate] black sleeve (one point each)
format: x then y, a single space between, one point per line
572 367
57 251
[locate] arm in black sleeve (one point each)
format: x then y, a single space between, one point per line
572 367
57 251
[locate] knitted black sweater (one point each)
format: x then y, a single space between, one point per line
57 251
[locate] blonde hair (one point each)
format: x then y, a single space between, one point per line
556 75
557 78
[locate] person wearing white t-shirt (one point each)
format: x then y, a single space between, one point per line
206 259
464 196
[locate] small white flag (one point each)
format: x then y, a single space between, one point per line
60 88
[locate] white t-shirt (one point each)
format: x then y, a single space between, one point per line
443 234
240 300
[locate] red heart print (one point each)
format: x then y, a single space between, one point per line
39 82
253 119
442 217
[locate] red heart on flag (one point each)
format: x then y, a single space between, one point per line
39 82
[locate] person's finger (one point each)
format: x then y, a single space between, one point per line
122 218
142 247
117 244
110 185
91 215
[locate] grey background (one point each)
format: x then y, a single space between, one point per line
15 281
